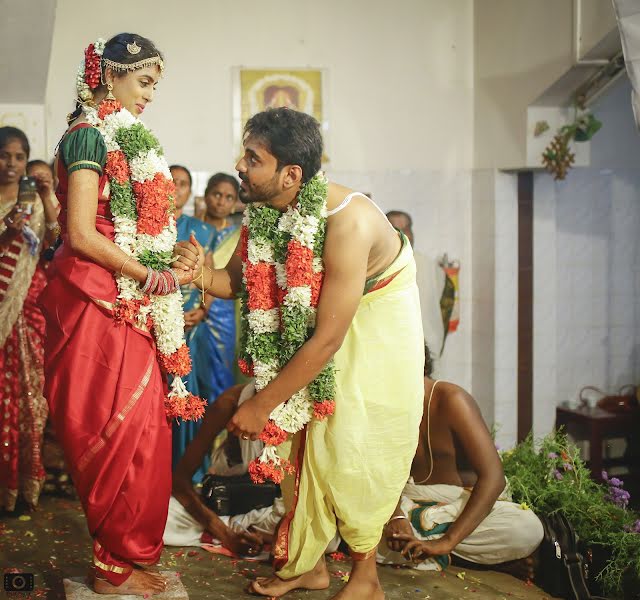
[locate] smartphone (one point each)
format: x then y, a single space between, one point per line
27 192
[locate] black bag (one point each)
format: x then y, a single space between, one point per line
562 571
236 495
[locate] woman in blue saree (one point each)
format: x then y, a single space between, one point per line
219 348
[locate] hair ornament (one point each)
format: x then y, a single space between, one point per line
133 48
141 64
88 75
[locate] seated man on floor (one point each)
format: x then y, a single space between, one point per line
446 509
190 521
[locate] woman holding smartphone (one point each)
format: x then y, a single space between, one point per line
27 226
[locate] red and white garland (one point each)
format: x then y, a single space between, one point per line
282 276
141 194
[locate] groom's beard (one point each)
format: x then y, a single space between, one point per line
259 193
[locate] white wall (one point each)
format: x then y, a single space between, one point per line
522 47
25 42
587 268
400 74
494 300
29 118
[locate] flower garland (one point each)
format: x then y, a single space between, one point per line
282 277
141 200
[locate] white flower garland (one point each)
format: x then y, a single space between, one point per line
166 311
294 414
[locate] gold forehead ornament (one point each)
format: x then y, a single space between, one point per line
141 64
133 48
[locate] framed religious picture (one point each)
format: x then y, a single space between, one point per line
256 90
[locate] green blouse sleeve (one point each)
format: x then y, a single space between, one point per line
84 148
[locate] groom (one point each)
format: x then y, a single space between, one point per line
348 475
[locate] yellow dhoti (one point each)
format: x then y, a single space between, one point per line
351 468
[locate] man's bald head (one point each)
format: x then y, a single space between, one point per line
402 222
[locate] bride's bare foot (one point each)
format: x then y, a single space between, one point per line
317 579
139 583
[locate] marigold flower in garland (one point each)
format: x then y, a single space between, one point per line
262 471
174 406
107 107
261 285
117 167
152 202
272 434
322 410
245 367
187 408
316 288
126 311
193 409
244 243
178 363
299 265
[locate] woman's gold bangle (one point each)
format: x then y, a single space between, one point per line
54 227
124 263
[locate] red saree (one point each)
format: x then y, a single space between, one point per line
106 398
23 409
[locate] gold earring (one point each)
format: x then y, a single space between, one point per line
110 96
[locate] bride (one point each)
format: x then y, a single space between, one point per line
114 314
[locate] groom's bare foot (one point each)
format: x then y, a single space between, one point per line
317 579
363 581
356 590
139 583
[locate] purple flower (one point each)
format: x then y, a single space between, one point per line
618 496
557 475
567 467
604 475
635 528
552 455
614 481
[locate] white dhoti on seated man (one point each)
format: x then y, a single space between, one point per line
459 505
507 533
232 458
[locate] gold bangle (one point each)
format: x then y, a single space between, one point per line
123 265
54 228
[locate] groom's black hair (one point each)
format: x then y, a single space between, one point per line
293 137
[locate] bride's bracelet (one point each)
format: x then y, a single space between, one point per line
160 283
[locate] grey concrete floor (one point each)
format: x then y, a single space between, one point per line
53 544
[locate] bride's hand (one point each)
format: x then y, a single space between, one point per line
198 275
184 277
188 255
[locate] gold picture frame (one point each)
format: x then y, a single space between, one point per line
256 90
